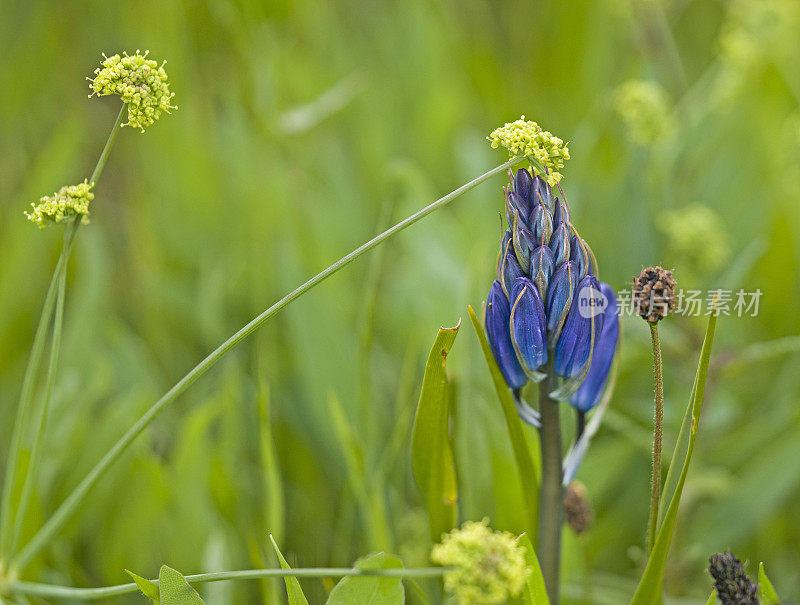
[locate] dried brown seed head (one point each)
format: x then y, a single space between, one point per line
654 293
577 509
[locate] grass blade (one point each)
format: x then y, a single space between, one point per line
535 592
293 590
431 448
528 470
649 589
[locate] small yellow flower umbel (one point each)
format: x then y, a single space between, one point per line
67 202
140 82
524 138
488 566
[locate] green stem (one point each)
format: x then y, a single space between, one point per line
551 506
73 501
655 480
35 359
55 349
68 592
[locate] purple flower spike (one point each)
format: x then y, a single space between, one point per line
496 321
574 345
527 323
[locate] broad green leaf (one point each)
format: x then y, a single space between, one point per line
649 589
431 449
173 589
535 592
765 588
148 588
526 467
372 590
293 590
713 598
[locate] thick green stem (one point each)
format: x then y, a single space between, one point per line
73 501
34 362
86 594
551 505
658 428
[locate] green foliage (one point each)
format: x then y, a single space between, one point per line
527 466
173 589
649 589
148 588
365 589
765 588
535 592
293 589
431 447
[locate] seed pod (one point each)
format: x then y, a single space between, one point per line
527 324
496 321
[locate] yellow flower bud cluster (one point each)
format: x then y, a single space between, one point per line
69 201
526 138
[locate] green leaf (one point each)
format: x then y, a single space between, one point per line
649 589
375 590
431 449
173 589
765 588
527 467
713 598
293 590
148 588
535 592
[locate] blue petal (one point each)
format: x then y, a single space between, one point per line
524 244
559 244
559 300
542 267
560 214
523 186
527 325
509 271
579 254
542 193
592 387
574 345
516 204
496 321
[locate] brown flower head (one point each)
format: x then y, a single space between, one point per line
654 293
577 508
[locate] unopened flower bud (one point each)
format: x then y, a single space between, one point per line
496 322
528 332
559 243
731 583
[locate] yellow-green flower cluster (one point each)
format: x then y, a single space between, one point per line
488 566
526 138
69 201
140 82
644 108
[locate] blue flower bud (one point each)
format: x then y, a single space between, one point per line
541 225
517 208
559 244
575 344
509 272
528 326
591 389
523 186
542 193
560 214
524 244
496 321
541 270
579 254
559 300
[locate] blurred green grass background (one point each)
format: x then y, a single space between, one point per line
305 127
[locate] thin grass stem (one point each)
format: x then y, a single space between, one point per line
658 429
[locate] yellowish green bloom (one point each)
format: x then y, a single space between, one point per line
488 566
696 237
644 108
140 82
67 202
524 138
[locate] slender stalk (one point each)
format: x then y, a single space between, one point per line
655 480
86 594
551 506
55 350
35 359
73 501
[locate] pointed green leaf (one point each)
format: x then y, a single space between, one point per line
765 588
713 598
649 589
293 590
535 592
527 466
431 449
173 589
375 590
148 588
